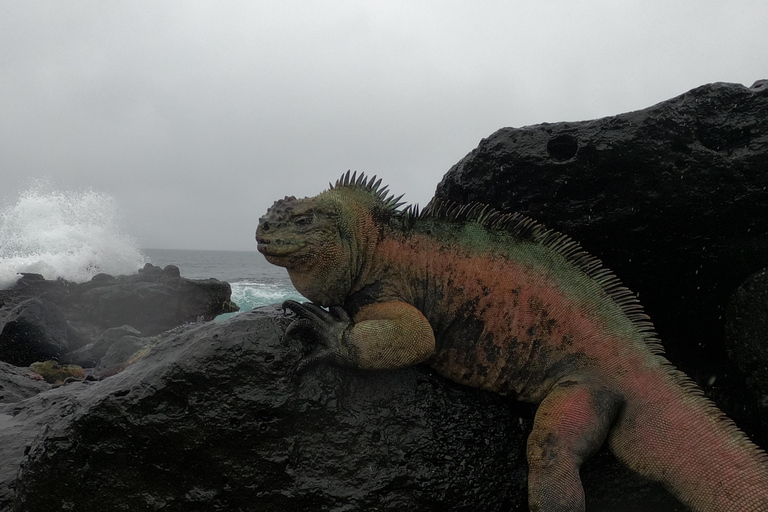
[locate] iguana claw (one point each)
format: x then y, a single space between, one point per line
326 328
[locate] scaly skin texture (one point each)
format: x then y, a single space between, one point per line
500 303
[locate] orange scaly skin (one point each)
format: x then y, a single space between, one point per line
498 302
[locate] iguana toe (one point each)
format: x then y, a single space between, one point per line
325 328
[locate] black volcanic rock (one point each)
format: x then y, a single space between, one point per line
35 331
17 384
43 319
747 335
152 301
215 419
111 337
672 198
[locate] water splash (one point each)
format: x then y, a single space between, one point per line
249 295
253 294
73 235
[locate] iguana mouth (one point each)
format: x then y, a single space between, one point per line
277 247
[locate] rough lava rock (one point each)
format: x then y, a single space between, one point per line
17 384
151 301
36 331
66 321
672 198
215 419
747 335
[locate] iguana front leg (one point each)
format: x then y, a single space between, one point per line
380 336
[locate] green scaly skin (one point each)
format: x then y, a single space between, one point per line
498 302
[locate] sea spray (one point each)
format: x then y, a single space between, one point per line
72 235
249 294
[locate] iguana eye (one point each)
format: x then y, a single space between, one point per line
304 221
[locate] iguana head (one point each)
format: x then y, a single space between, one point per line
326 242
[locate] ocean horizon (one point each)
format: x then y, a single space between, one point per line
77 235
254 281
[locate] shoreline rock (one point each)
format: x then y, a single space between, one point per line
17 384
746 335
214 418
42 319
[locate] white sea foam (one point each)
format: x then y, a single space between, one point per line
73 235
249 295
252 294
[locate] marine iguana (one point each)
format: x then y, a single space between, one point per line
498 302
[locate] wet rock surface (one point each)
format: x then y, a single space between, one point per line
17 384
747 335
671 198
36 331
66 321
214 418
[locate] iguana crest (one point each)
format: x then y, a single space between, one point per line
519 226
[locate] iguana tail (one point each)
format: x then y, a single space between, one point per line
669 432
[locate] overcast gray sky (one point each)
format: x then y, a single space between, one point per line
196 115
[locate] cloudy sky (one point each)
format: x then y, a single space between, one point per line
196 115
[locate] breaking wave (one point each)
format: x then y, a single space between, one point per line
72 235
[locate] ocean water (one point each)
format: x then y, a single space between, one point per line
76 235
254 282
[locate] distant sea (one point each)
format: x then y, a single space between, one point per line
254 281
76 235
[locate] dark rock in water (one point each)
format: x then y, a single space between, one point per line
35 331
64 321
672 198
17 384
27 278
171 271
35 284
214 418
152 302
100 278
747 335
